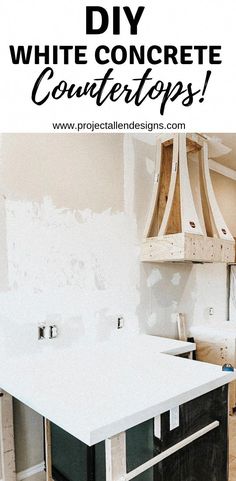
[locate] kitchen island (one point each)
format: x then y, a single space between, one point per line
98 392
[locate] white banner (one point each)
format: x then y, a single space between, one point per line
108 66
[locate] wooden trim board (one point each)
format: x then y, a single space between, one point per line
27 473
7 437
116 455
48 449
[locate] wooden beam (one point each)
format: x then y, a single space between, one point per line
7 446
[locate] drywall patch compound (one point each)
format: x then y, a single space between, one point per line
74 264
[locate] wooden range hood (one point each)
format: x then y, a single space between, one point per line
184 222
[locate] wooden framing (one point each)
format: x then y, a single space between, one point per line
116 454
7 446
116 457
116 468
187 247
48 449
219 352
184 221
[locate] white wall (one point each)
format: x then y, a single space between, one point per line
226 195
169 288
72 214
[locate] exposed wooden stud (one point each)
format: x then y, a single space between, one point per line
48 449
7 446
116 457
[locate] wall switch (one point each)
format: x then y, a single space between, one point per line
174 418
211 311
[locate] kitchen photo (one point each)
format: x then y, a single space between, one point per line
118 306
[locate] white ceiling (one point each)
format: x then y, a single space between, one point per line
230 141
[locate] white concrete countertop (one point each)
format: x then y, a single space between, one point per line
97 390
217 329
171 346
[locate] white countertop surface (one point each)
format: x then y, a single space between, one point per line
97 390
218 329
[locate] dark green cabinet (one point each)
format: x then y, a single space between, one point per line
206 459
69 456
73 460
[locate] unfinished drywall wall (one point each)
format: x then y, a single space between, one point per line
76 172
68 249
166 289
28 432
72 213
